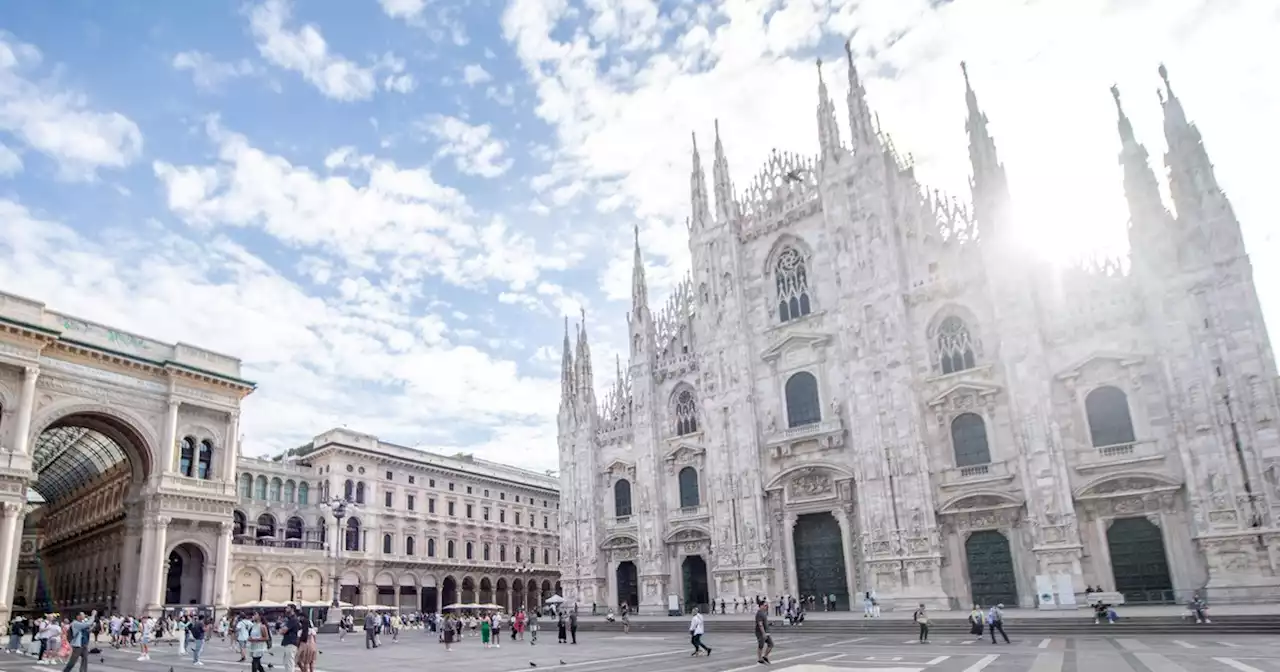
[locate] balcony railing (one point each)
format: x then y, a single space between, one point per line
830 433
1119 453
204 486
977 473
698 511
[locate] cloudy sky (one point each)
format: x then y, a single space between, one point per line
384 207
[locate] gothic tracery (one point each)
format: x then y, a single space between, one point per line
791 277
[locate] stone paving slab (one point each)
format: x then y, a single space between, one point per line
736 653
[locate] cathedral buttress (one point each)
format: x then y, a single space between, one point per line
1152 231
828 132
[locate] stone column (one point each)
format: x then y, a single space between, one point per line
135 594
10 549
169 444
231 448
1102 574
789 548
161 562
26 404
846 547
222 569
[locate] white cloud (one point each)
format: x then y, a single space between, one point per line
297 345
445 25
403 9
505 96
305 52
475 73
59 122
622 109
208 73
10 162
474 150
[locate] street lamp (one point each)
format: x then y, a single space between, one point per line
338 506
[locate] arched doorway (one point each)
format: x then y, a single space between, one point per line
429 598
517 594
247 587
184 576
1138 561
819 553
448 591
694 579
991 577
628 583
486 591
501 595
88 464
468 590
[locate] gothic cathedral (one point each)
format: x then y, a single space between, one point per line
864 386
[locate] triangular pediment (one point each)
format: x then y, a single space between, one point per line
619 467
685 451
975 387
1121 358
1127 484
795 340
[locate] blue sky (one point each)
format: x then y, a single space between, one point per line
385 207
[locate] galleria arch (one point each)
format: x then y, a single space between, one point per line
117 480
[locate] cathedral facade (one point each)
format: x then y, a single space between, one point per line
864 386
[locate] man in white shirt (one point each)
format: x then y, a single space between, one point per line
696 629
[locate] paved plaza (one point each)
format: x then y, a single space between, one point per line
795 652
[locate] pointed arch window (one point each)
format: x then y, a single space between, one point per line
186 456
204 462
791 277
1110 423
686 412
689 497
352 540
621 499
955 346
803 404
969 440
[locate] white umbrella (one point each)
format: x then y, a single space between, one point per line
554 599
492 606
455 605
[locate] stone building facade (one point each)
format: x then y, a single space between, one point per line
866 386
424 531
115 457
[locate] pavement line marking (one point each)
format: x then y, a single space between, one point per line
1237 664
829 659
937 660
613 660
1158 663
1132 645
847 641
912 641
736 669
1044 643
968 641
985 661
1049 662
1185 645
1226 644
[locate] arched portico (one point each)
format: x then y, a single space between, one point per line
122 435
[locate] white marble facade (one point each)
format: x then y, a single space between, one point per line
854 354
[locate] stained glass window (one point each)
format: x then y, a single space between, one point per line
955 346
792 279
686 413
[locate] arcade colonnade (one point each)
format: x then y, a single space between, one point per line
117 463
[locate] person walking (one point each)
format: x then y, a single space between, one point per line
497 630
533 628
259 636
486 627
995 621
78 637
370 631
976 621
697 627
244 627
764 643
306 645
197 631
573 626
922 619
562 628
288 632
146 628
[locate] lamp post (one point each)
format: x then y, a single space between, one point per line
338 506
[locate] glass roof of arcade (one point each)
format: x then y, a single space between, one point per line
65 458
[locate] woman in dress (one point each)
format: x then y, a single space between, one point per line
976 619
306 645
258 638
145 627
449 626
485 628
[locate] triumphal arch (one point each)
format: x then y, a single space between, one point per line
117 466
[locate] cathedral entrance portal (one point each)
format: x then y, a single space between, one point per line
184 580
628 581
694 580
991 577
1138 561
820 561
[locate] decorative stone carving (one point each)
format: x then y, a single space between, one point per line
809 484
